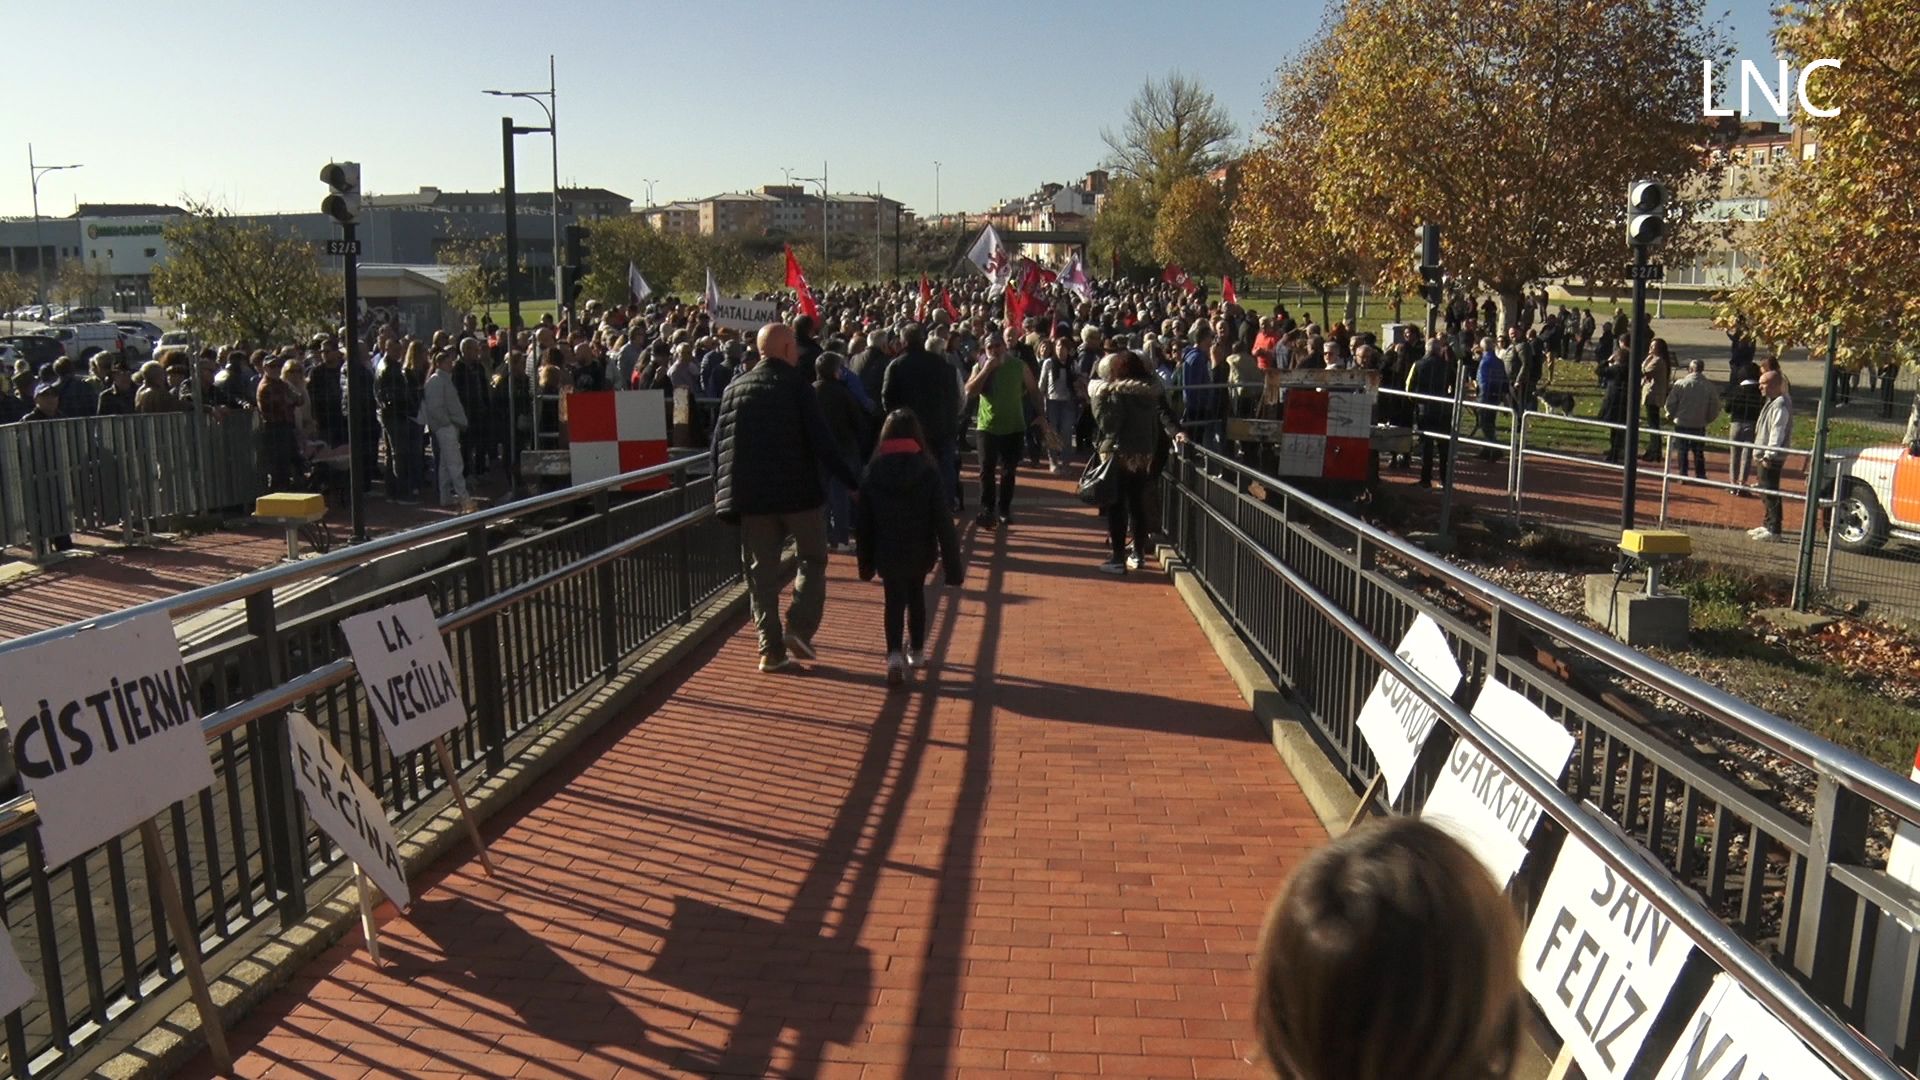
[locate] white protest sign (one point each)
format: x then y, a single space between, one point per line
1733 1037
1886 982
1600 960
105 733
344 808
744 315
403 663
16 987
1475 799
1395 720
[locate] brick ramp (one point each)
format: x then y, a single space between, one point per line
1050 856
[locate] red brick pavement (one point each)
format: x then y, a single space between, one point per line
1049 856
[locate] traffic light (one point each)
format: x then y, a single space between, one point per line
343 205
1430 245
1646 213
575 269
1428 252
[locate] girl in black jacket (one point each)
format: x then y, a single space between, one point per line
901 524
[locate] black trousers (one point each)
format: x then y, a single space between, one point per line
999 459
1770 497
1129 507
1430 446
906 602
280 455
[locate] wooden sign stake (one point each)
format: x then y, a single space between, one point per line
1562 1063
460 796
1366 799
367 926
187 940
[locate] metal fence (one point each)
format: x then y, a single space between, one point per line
1773 883
125 474
540 601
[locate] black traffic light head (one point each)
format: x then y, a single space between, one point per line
1429 245
343 204
1646 213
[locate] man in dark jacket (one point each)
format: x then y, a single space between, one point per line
806 333
770 446
1433 376
927 384
870 364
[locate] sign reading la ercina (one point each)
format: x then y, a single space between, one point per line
403 663
105 733
344 808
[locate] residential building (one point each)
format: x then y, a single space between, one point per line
1753 163
575 202
778 210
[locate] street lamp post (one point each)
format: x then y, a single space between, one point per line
649 184
551 107
39 247
936 191
822 181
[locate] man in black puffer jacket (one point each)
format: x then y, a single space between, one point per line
770 446
927 384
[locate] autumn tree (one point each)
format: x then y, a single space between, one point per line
477 271
78 282
1174 129
613 243
1191 228
1843 229
1122 233
16 291
1516 125
243 281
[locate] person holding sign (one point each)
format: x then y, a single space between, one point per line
1391 955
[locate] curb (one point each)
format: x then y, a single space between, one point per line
164 1032
1286 723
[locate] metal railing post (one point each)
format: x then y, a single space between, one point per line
286 837
1516 446
1666 470
683 551
1826 909
486 652
1453 454
603 586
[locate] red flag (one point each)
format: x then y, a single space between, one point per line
1173 275
926 299
797 281
1227 295
946 301
1021 297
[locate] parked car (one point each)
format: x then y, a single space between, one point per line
75 316
38 349
1877 497
177 339
82 340
150 331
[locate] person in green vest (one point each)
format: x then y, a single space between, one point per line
1005 385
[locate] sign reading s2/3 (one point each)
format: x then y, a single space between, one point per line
1732 1037
344 808
1600 960
744 315
1395 720
403 663
1475 799
105 733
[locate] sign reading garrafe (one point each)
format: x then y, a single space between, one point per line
403 663
1395 720
344 808
1600 959
105 732
1731 1037
1475 799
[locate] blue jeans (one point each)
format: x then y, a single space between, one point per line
1062 417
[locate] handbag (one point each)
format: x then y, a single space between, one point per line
1098 485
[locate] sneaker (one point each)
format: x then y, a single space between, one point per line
799 646
771 664
1134 562
1006 520
896 669
916 659
1114 567
984 520
1761 532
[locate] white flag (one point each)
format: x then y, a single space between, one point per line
713 292
1073 277
637 285
991 256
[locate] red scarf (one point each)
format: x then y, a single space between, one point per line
900 446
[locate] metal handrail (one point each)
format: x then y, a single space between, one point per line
1840 1045
1851 770
246 585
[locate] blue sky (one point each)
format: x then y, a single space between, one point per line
242 101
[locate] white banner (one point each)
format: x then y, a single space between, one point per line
1885 989
743 314
1475 799
409 679
1395 720
345 808
1733 1037
1600 960
105 733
